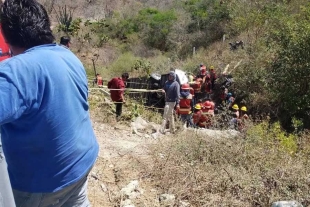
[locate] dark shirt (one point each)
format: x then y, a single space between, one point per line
172 89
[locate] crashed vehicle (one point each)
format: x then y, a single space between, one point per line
154 82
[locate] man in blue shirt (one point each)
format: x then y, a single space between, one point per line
172 94
47 136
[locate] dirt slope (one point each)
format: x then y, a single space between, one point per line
119 162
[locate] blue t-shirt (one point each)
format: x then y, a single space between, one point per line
47 136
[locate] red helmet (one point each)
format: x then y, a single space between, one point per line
185 86
207 104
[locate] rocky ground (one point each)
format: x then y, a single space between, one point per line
122 155
120 175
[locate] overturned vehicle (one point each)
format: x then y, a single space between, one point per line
154 82
157 81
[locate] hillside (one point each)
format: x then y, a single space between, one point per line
195 167
263 164
154 36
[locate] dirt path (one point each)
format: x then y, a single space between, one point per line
117 163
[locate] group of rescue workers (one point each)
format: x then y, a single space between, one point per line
197 108
192 102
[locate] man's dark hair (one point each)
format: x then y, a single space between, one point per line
25 23
64 40
125 75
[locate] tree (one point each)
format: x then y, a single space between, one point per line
290 71
155 26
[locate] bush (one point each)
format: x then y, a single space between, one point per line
290 70
247 171
155 27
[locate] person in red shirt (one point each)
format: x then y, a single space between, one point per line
4 49
99 80
207 87
185 109
117 95
5 186
207 114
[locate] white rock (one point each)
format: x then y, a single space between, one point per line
132 190
184 204
286 204
156 135
104 188
167 199
140 124
147 136
126 203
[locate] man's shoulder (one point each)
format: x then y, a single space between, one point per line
175 83
116 79
117 82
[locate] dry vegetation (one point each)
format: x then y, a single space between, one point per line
263 165
249 171
257 168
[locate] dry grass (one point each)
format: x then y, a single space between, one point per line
257 169
211 171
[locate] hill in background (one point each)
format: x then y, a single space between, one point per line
154 36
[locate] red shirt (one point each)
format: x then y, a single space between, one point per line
116 83
99 80
197 116
4 49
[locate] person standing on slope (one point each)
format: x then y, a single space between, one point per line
172 92
117 95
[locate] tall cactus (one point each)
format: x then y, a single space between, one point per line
64 18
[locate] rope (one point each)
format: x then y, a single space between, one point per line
92 80
126 89
134 91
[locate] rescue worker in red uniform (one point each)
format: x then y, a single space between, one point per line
243 118
207 115
185 109
196 86
117 95
202 72
207 87
212 76
99 80
211 110
223 94
4 49
233 123
197 115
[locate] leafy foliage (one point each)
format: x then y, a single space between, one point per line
272 78
64 18
143 65
155 26
290 71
